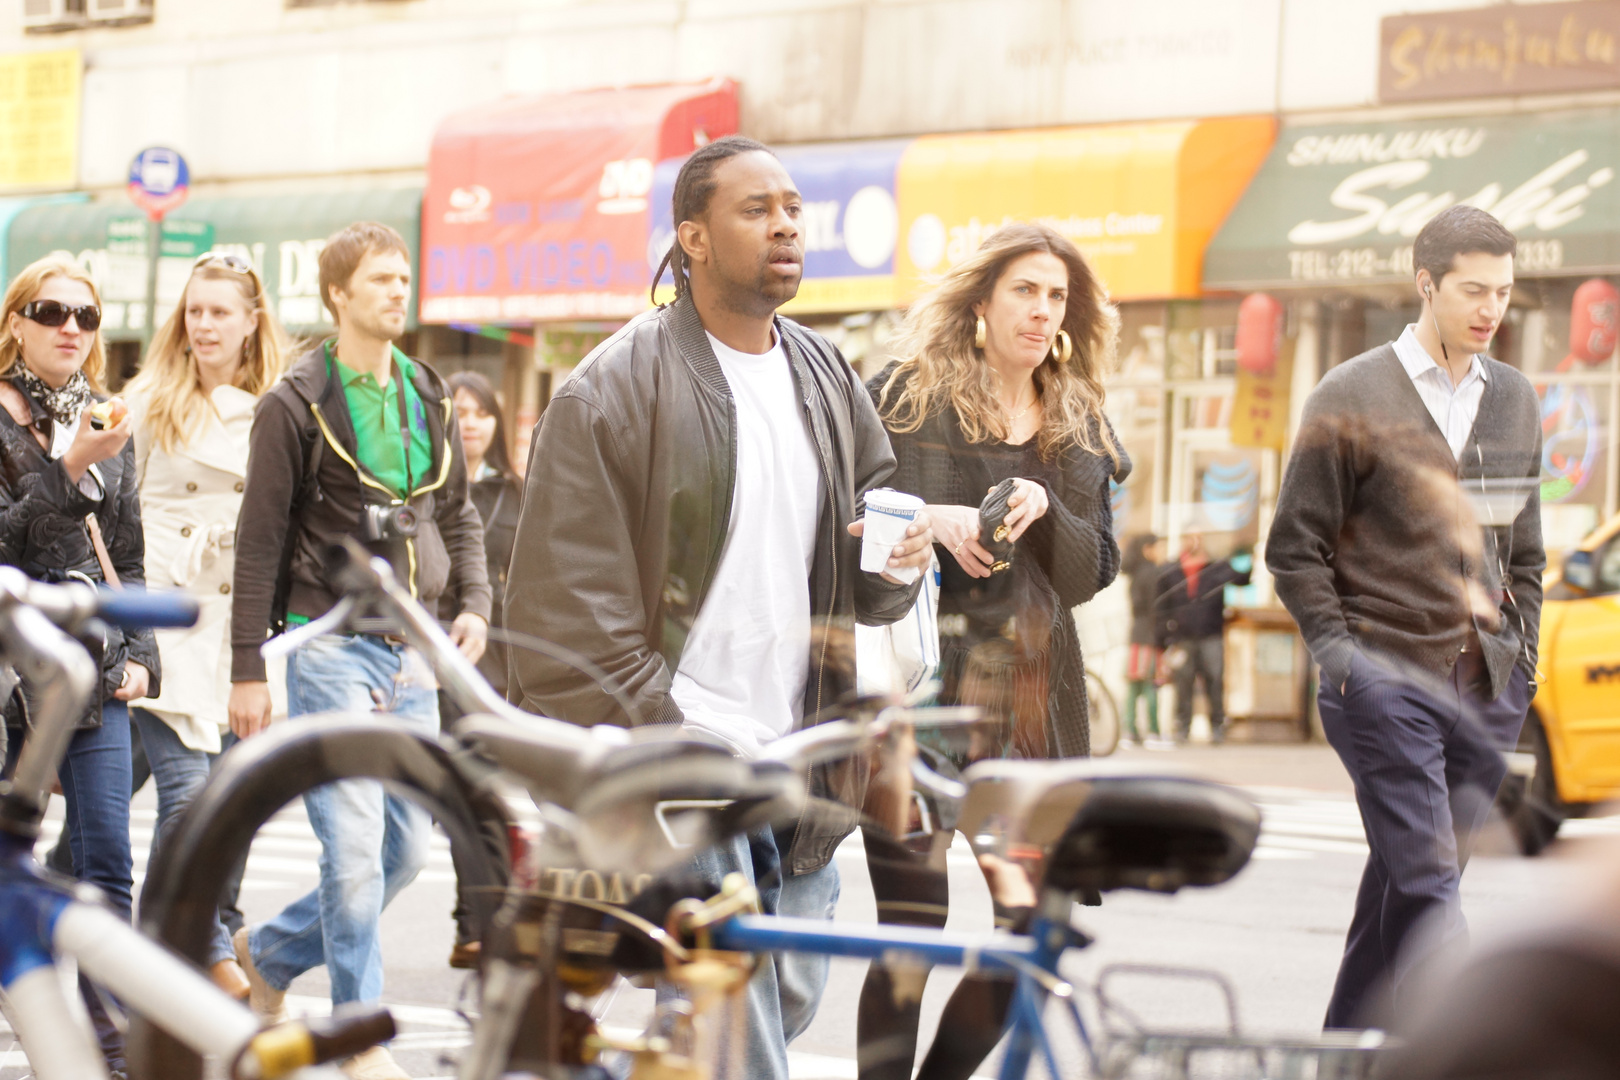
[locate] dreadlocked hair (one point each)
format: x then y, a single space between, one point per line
694 187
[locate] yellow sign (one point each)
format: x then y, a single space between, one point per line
39 119
1260 407
1140 200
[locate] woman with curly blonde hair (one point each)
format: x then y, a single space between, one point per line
193 404
999 379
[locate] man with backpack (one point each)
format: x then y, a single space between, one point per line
358 440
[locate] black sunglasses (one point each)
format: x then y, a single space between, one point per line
55 313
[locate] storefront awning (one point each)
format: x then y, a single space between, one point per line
281 234
851 223
883 219
1141 200
537 208
1340 205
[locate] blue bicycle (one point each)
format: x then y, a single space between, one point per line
611 801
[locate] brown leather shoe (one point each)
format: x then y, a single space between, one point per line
229 977
466 954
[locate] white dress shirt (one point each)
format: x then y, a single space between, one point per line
1453 407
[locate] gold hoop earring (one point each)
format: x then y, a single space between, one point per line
1062 347
981 333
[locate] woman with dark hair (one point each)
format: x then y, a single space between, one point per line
999 378
1141 565
497 492
69 511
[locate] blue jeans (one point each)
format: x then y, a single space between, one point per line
95 778
373 843
95 786
785 991
180 773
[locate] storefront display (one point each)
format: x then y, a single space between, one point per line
1328 224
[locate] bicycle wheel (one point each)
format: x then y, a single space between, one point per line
1104 715
256 780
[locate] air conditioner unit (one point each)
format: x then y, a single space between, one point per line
102 12
52 14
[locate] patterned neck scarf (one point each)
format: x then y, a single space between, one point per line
65 403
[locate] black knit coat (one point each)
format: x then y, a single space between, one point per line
1070 553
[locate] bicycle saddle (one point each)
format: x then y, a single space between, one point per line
642 805
1099 826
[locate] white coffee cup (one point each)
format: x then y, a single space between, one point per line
889 514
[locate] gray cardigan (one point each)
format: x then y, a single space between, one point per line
1379 542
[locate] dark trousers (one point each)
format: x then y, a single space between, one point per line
911 892
1206 659
1425 757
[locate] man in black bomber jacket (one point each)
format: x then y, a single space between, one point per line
689 522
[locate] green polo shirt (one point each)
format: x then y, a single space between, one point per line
374 411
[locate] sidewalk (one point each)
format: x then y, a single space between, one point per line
1307 766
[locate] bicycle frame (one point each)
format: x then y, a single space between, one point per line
45 919
1031 959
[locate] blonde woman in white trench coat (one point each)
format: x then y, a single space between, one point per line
193 406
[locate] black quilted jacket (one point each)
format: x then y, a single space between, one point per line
43 533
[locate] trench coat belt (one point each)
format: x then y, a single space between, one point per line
206 544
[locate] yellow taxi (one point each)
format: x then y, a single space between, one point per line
1573 730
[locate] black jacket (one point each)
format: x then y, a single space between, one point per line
626 507
303 489
1070 552
43 533
1185 618
497 497
1145 628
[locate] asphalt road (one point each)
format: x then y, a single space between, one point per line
1275 932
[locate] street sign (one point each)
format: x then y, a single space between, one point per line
158 180
181 239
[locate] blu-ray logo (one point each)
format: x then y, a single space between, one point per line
468 204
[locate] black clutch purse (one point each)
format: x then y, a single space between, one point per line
993 528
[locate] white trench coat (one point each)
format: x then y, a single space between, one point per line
190 499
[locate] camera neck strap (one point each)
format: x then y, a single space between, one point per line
404 428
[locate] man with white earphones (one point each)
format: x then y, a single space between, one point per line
1407 545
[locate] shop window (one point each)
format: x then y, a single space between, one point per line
123 361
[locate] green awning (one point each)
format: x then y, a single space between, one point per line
1339 205
281 234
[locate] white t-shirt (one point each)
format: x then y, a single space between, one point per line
743 671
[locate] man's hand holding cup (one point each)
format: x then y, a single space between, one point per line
896 536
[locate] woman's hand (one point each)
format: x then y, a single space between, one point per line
1027 503
137 681
90 446
957 527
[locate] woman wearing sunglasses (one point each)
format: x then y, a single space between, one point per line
68 510
193 405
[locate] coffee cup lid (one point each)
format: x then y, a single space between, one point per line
890 499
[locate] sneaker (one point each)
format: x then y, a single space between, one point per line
374 1064
268 1003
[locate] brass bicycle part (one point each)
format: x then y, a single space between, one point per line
276 1052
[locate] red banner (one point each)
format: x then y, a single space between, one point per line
538 209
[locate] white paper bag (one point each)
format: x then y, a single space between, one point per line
898 658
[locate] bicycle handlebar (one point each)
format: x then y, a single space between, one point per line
36 619
135 609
